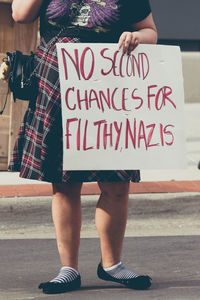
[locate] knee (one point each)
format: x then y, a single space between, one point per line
69 190
117 191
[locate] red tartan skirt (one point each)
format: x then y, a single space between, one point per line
38 149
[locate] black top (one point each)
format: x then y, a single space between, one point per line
102 16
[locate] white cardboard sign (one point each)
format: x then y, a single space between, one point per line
121 111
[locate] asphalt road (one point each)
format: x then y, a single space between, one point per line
172 262
162 240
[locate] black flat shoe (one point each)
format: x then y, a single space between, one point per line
142 282
57 288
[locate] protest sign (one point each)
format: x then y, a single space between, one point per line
121 111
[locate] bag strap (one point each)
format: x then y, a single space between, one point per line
5 102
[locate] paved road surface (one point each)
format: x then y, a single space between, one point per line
163 240
172 262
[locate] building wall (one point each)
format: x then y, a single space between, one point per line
178 22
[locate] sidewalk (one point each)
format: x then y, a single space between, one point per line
153 181
31 190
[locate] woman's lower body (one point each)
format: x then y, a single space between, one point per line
110 218
38 155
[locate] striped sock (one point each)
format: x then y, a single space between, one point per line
67 280
66 274
119 271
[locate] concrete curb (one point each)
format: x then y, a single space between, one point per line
148 215
31 190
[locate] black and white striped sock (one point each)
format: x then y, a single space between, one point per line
66 274
119 271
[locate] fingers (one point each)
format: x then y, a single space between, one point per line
129 41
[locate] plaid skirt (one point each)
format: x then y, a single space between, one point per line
38 149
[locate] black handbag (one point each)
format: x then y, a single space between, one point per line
21 80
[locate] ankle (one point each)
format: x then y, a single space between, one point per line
68 265
63 268
109 264
112 267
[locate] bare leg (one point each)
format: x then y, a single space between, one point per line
66 212
111 217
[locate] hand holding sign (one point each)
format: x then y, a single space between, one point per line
130 40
